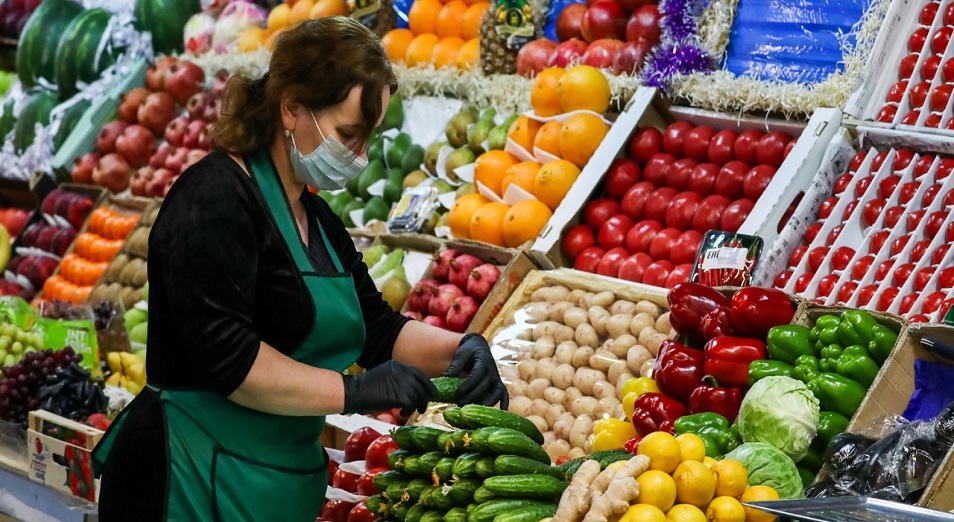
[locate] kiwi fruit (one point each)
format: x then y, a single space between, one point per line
116 268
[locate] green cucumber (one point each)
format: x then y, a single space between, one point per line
415 513
466 465
444 441
433 516
462 492
507 441
428 462
526 486
404 437
378 505
445 469
412 466
486 468
446 389
426 495
487 511
425 438
399 511
483 495
396 492
396 459
386 478
486 416
480 439
457 514
460 442
471 508
416 487
534 513
514 465
440 498
454 418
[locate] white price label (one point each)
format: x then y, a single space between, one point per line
725 258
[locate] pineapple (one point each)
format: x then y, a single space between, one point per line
495 56
386 19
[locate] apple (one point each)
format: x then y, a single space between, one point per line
644 23
569 23
602 53
182 80
630 58
137 145
604 19
567 53
156 112
112 172
532 58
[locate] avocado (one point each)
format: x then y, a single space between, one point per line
393 115
352 185
339 201
376 149
325 195
350 207
393 187
413 157
396 149
369 176
376 208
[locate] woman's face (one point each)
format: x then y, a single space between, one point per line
342 121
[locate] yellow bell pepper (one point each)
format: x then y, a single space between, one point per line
612 434
629 401
639 386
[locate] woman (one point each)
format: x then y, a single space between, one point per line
259 301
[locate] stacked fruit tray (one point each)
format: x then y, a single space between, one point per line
126 276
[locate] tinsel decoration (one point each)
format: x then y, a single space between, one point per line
679 52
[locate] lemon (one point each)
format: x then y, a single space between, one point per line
695 483
691 447
657 489
685 513
758 494
709 462
731 478
643 513
725 509
663 451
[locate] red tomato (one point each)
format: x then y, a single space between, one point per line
801 284
588 259
746 146
361 513
634 201
623 174
892 216
930 66
944 169
782 279
841 184
887 297
922 276
887 185
860 269
812 232
937 257
883 269
366 481
722 147
756 180
933 120
930 194
729 182
920 248
841 257
658 203
736 214
862 186
906 69
826 207
887 114
856 161
679 274
941 97
641 235
914 219
797 255
599 210
946 306
678 174
918 318
865 294
336 510
709 213
674 136
932 302
816 257
906 303
378 451
681 210
878 240
902 273
771 148
923 165
577 239
645 143
609 264
788 148
916 40
919 93
833 235
908 190
945 280
656 167
686 247
947 71
356 446
940 39
948 16
934 223
871 210
703 177
826 285
896 92
657 273
632 268
846 290
898 245
948 199
911 118
928 13
902 159
696 143
613 232
344 480
661 245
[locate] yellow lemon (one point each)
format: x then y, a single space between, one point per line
695 483
725 509
643 513
663 451
758 494
692 447
685 513
709 462
731 478
656 488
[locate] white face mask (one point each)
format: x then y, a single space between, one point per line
328 167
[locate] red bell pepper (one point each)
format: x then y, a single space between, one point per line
717 323
688 304
632 445
713 398
728 359
678 370
756 310
656 412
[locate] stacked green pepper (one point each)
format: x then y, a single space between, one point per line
714 430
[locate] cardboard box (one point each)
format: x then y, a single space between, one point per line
60 454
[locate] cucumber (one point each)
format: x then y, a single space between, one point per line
415 513
425 438
454 418
480 439
404 438
604 457
426 495
412 466
486 416
471 508
446 388
440 498
386 478
396 459
534 513
428 462
462 493
466 465
399 511
396 492
486 468
445 469
526 486
514 465
457 514
378 505
506 441
444 441
416 487
487 511
483 495
433 516
460 442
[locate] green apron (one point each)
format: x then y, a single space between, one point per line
228 462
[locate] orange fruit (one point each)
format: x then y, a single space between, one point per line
469 54
491 167
422 17
301 11
553 181
445 52
524 221
543 93
290 2
548 138
252 39
523 130
395 43
470 23
522 174
583 88
449 19
421 49
461 213
580 137
325 8
279 17
487 223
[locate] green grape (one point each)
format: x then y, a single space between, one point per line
3 354
17 348
39 342
9 360
20 336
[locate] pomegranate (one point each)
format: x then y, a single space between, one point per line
460 269
482 280
533 57
213 111
156 112
106 139
602 53
193 157
569 23
442 299
112 172
129 108
567 53
461 313
433 320
140 180
137 145
604 19
644 23
220 81
156 74
441 268
159 158
421 294
413 315
161 179
630 58
197 104
196 136
176 131
83 168
182 80
177 159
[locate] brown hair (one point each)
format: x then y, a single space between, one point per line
316 63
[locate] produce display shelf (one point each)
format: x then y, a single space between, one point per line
24 499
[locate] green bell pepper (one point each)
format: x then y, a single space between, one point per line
856 327
807 476
788 342
856 364
806 368
825 331
812 461
828 356
712 428
882 342
830 425
763 368
837 393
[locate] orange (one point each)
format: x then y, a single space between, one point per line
278 17
252 39
395 43
445 52
461 213
421 49
548 138
290 2
580 137
449 19
301 11
553 181
422 17
469 54
583 88
487 223
543 93
523 130
491 167
524 221
470 23
522 174
325 8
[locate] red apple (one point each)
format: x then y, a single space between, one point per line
602 53
644 23
569 23
567 53
604 19
534 56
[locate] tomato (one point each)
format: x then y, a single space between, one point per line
892 216
914 219
816 257
576 239
801 284
736 214
679 274
613 232
917 39
934 223
944 169
598 211
641 235
674 137
908 63
940 39
703 177
920 248
782 279
332 469
771 148
862 186
928 13
923 165
661 245
887 185
941 98
898 245
696 143
932 302
948 199
937 257
797 255
729 182
366 481
833 235
871 210
887 114
865 294
922 276
826 285
918 95
908 190
824 210
756 181
588 259
883 269
949 232
356 446
635 198
911 118
789 212
361 513
746 145
906 303
658 203
849 210
682 209
933 120
887 297
930 66
709 213
930 194
645 143
722 146
657 273
686 247
841 257
609 264
846 290
633 267
841 184
788 149
896 92
812 232
857 160
945 279
678 174
901 274
344 480
948 16
656 167
378 451
623 174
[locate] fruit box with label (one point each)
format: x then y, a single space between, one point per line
60 454
779 180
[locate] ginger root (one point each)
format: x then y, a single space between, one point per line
575 501
611 497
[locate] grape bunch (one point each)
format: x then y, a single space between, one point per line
16 343
19 387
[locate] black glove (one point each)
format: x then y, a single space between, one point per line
390 385
483 384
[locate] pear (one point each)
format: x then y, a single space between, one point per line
395 289
497 139
374 254
138 334
414 179
394 260
477 133
443 220
458 158
442 187
134 317
430 156
466 188
488 114
428 226
456 130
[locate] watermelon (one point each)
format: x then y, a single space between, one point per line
78 56
165 19
36 51
71 117
36 109
7 119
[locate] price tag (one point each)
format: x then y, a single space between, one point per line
725 258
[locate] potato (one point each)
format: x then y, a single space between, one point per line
602 299
648 307
558 309
509 372
646 370
582 356
641 322
585 335
520 405
598 317
606 407
563 376
554 395
574 317
616 369
539 408
545 368
564 352
536 388
603 389
525 335
646 337
583 405
581 429
585 298
588 445
622 344
662 324
623 306
572 394
554 412
517 388
550 294
558 332
636 356
543 348
563 425
548 438
527 369
602 359
655 341
576 453
574 296
585 378
559 448
618 325
538 311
